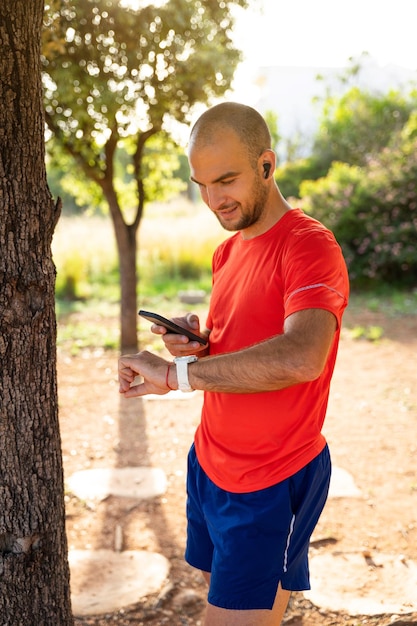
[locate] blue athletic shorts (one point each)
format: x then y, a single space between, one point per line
252 541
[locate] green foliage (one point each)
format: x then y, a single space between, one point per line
371 333
78 192
161 161
359 124
120 72
71 277
373 212
335 199
271 119
389 229
79 334
361 182
115 76
290 175
353 128
385 298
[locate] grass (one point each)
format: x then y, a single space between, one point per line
175 246
386 299
371 333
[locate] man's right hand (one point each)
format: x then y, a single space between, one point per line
181 345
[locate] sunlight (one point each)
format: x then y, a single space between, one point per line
141 4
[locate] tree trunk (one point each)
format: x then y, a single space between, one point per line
126 240
128 283
128 288
34 570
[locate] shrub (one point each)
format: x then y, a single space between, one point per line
289 176
373 212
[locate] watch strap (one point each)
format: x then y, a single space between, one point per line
181 364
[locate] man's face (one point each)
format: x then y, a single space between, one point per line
228 182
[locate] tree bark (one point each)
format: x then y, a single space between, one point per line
128 289
34 572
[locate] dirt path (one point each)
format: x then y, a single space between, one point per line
371 428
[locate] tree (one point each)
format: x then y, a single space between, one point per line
111 73
33 550
357 125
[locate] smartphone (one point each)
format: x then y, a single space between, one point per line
171 326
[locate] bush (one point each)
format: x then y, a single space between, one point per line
289 176
373 212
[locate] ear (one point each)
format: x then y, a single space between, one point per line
268 162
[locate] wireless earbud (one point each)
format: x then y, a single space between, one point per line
267 168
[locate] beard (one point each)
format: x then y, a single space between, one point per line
251 212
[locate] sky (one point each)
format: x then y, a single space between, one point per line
317 34
328 32
325 33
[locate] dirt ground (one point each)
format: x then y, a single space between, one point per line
371 427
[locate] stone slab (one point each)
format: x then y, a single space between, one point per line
362 584
342 484
103 581
129 482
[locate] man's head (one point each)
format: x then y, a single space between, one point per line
244 121
232 162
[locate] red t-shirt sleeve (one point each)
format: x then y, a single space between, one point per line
316 275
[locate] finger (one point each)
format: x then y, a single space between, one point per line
192 347
134 392
158 330
175 342
193 321
143 389
123 386
127 374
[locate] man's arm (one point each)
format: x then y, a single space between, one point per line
298 355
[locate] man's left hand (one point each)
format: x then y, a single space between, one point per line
150 367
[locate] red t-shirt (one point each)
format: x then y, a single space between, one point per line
247 442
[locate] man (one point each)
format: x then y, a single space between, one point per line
259 468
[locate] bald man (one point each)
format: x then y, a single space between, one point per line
259 467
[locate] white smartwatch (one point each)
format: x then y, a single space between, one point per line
181 363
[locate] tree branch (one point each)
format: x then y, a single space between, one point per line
72 150
137 164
